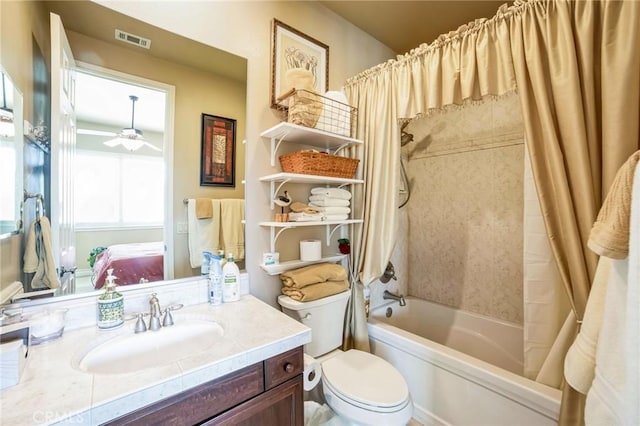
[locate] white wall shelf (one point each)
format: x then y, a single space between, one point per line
293 264
283 226
301 135
277 180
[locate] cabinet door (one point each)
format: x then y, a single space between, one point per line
280 406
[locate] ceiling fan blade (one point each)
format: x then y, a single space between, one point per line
92 132
113 142
152 146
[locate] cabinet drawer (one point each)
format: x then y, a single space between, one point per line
281 368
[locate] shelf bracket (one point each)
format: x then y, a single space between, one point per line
274 190
275 236
274 147
330 233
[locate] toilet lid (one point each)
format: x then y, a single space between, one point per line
366 379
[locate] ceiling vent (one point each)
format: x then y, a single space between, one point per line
133 39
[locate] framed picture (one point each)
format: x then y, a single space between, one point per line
293 49
218 151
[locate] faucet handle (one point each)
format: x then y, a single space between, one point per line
140 327
168 318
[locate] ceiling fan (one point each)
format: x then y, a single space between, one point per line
130 138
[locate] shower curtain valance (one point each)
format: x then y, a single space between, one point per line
461 66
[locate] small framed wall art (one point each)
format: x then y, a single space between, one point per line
294 49
218 151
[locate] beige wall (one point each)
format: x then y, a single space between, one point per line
244 28
465 214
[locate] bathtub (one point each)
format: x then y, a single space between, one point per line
461 367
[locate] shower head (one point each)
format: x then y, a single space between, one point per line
405 137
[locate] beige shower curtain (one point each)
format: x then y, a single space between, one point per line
577 72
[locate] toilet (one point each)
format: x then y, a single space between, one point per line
361 388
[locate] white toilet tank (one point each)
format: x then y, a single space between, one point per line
324 316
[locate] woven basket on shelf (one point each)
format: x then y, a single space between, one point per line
319 163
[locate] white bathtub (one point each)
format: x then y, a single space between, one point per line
425 340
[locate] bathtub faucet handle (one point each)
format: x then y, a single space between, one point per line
390 296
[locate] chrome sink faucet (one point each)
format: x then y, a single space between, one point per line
154 313
390 296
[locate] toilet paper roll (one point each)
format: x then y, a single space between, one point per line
312 373
310 250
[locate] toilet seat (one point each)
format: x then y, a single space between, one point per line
366 381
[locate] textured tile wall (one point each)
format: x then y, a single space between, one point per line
465 214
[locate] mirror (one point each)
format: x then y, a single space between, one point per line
204 79
10 156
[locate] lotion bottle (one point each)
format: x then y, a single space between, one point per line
110 305
231 280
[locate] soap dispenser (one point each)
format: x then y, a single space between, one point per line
110 305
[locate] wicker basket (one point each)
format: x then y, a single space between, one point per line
319 163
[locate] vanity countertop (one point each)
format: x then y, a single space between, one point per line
52 390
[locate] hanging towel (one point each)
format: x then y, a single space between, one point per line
204 208
232 226
38 255
324 201
316 291
615 390
203 234
313 274
332 209
340 193
610 233
580 361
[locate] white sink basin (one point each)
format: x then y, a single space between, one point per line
130 352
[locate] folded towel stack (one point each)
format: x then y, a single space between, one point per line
332 203
314 282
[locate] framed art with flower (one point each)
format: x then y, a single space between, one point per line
294 49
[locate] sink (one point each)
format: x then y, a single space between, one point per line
130 352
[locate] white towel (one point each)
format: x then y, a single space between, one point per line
324 201
38 255
335 116
335 216
615 391
631 404
332 192
331 209
305 217
203 234
580 361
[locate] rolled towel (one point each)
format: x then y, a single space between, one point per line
298 207
313 274
332 209
316 291
324 201
343 194
305 217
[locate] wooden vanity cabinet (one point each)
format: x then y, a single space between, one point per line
266 393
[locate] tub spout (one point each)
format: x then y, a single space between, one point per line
390 296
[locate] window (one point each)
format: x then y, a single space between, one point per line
7 174
118 190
